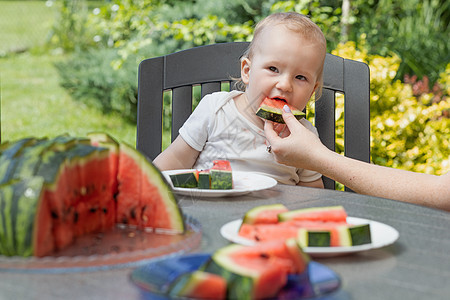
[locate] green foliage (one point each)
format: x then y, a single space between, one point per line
90 78
408 132
416 30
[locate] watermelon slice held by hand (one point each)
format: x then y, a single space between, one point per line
272 109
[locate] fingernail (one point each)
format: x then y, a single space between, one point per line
286 108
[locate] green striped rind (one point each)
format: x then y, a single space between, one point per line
289 215
221 180
184 180
30 158
204 180
28 194
252 214
184 284
314 238
158 180
10 158
354 235
18 205
240 280
103 139
6 199
275 115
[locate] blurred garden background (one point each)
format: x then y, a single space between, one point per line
70 66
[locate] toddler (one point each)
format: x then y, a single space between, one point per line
284 61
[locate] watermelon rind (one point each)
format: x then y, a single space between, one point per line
221 180
204 180
184 180
354 235
314 238
19 202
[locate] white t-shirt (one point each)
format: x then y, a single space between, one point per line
219 131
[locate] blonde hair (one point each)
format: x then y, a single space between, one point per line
296 22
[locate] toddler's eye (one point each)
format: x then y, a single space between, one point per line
273 69
301 77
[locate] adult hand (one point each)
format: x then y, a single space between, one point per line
300 148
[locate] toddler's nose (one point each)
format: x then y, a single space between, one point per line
284 83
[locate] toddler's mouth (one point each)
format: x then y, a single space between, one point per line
279 99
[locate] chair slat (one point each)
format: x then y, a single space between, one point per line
357 110
150 107
181 108
209 88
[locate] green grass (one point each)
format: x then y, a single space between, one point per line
24 24
33 103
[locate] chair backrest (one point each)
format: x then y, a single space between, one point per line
211 65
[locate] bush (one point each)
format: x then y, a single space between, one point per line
408 131
89 77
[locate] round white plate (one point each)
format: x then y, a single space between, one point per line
382 235
244 183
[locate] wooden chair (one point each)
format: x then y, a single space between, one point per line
209 66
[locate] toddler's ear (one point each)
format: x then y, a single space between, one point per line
245 70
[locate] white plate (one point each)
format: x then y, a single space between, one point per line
244 183
382 235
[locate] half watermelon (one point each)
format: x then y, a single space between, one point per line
59 189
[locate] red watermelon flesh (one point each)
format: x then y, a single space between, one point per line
199 285
288 254
43 238
326 214
143 198
286 230
267 232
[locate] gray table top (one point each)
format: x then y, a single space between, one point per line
416 266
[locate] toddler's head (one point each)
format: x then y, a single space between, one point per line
298 24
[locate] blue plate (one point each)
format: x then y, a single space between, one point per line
155 278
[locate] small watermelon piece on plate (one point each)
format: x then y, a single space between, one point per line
339 236
185 179
199 285
221 175
204 179
272 109
264 214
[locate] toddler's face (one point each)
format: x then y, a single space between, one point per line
284 65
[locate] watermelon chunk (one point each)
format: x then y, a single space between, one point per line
221 175
185 179
199 285
271 109
256 272
264 214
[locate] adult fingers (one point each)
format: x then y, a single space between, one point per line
290 119
269 131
